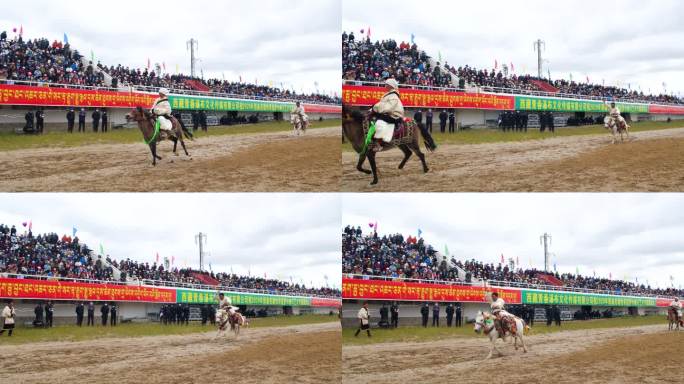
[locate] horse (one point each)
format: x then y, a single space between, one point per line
299 125
674 320
224 319
616 126
485 322
355 128
152 136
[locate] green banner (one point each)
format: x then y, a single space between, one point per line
182 102
529 103
567 298
196 296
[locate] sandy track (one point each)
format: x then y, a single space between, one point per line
644 354
256 162
652 161
302 353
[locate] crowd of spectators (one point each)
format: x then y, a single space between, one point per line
41 61
364 60
23 253
586 89
398 257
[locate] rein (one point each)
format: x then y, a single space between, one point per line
154 136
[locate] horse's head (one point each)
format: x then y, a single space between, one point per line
479 322
137 114
220 315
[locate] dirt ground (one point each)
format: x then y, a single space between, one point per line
300 354
647 354
268 162
651 161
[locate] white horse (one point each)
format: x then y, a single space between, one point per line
299 125
225 319
484 322
615 126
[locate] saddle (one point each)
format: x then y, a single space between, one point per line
506 324
403 131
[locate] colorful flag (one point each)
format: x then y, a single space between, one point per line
369 32
577 271
73 232
446 250
502 259
587 79
517 261
496 64
413 37
66 39
21 32
164 66
30 225
554 267
92 56
419 232
157 257
101 249
148 63
173 259
512 67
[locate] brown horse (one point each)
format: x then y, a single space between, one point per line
673 320
146 124
353 129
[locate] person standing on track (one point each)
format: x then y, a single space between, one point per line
428 120
104 310
79 314
49 311
70 116
91 314
8 314
105 121
424 314
364 320
81 120
435 315
394 315
449 314
112 311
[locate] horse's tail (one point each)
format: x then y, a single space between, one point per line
427 138
188 134
526 329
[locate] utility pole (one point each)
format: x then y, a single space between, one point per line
201 240
546 240
538 47
192 45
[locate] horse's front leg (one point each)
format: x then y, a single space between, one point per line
153 149
522 342
374 168
359 165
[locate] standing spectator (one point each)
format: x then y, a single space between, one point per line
79 314
364 320
203 314
557 315
105 120
195 121
71 117
29 122
49 311
418 117
203 120
81 120
442 121
450 314
96 120
452 121
459 316
428 119
394 312
186 314
550 122
435 315
524 121
549 315
40 119
38 311
212 315
91 314
8 314
104 310
112 311
425 313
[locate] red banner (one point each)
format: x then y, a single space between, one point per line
66 97
322 302
666 109
367 96
318 108
663 302
63 290
406 291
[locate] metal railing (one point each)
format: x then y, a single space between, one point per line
512 91
150 89
506 284
161 283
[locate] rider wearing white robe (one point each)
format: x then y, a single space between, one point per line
299 112
226 304
677 306
161 108
614 112
389 107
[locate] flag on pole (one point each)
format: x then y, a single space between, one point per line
164 66
512 67
413 37
496 64
176 69
173 259
101 250
439 53
66 39
517 261
92 56
577 271
30 225
368 32
148 63
157 257
446 250
554 267
502 259
419 232
73 231
21 32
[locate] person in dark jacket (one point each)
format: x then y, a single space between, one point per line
195 121
29 122
435 315
442 121
79 314
550 122
38 311
203 120
425 313
96 121
459 316
91 314
40 120
452 121
449 314
549 315
394 314
428 120
418 116
49 311
81 120
104 310
105 120
71 117
112 314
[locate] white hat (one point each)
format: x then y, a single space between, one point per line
392 83
164 91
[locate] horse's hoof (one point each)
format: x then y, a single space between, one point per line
175 154
171 161
373 182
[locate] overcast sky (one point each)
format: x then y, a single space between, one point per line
294 42
622 41
281 235
632 235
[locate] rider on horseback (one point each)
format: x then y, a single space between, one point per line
299 112
388 111
162 110
504 319
226 305
614 113
676 306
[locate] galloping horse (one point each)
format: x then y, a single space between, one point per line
673 319
485 322
299 125
616 126
355 126
223 320
152 135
